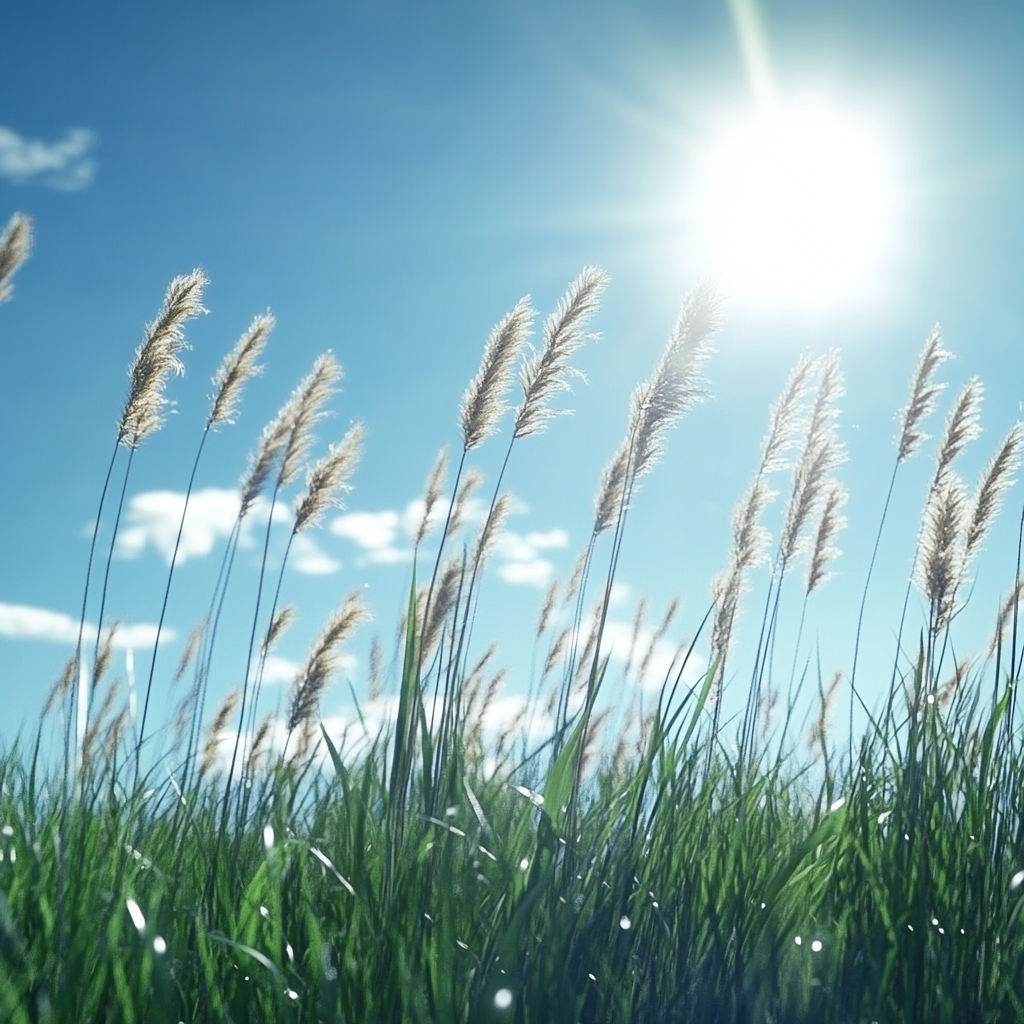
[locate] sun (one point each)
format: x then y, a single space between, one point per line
796 206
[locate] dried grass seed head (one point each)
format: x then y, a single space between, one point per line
432 493
490 529
238 366
329 476
820 454
471 482
924 392
483 403
15 246
281 621
217 725
189 650
548 372
962 426
157 357
611 493
306 411
940 566
677 383
784 417
995 481
445 596
322 660
830 523
264 458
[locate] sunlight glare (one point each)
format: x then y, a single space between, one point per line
796 206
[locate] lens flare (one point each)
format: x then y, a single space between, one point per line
796 205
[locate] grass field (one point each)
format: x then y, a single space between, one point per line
698 871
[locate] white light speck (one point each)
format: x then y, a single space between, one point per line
816 946
836 804
624 923
268 836
931 698
292 994
798 940
935 921
264 912
524 864
291 953
7 831
503 999
136 914
591 977
1014 882
159 946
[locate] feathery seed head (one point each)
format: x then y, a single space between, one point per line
830 523
432 495
15 246
306 410
189 650
490 529
281 621
216 727
547 608
962 426
784 417
264 458
322 660
940 568
327 477
483 404
611 493
471 481
63 685
548 372
446 594
923 394
238 366
995 480
258 740
820 454
677 384
157 357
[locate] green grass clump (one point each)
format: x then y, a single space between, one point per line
431 875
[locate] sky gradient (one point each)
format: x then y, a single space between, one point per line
388 180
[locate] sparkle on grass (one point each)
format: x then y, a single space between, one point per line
136 914
503 999
159 946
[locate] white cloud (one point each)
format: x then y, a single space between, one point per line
279 670
153 519
64 164
25 622
533 573
522 564
376 533
309 559
617 640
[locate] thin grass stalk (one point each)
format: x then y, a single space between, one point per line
106 571
166 598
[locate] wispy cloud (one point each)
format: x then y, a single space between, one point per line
25 622
377 533
385 536
65 164
310 559
520 558
153 518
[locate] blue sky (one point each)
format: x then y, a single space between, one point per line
389 178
